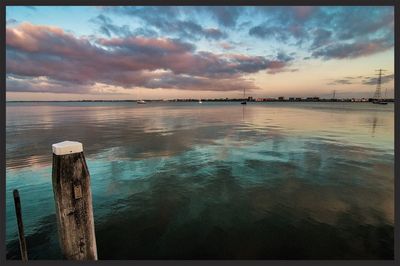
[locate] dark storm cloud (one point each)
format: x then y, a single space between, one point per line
52 58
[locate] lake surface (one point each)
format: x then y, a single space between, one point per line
212 180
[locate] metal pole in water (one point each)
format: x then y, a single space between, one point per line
21 234
73 198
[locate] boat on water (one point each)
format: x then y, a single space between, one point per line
141 102
200 101
244 96
377 96
379 102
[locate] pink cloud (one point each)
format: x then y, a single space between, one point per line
43 51
162 44
303 12
226 46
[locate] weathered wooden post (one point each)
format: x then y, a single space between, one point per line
73 197
21 234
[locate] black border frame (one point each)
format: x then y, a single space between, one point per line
394 3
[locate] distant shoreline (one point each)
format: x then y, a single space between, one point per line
216 100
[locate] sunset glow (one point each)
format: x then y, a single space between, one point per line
76 53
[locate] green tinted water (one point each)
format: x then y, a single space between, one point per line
216 180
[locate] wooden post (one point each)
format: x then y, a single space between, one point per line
21 234
73 197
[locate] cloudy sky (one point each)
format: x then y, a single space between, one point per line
68 53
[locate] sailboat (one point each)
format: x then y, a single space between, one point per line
200 101
377 97
244 96
139 101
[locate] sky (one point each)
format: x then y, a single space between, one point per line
169 52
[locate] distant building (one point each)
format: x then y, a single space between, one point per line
281 98
291 99
312 99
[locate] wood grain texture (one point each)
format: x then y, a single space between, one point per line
74 210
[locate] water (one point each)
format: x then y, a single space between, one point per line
212 180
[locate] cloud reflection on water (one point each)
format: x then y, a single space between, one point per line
198 182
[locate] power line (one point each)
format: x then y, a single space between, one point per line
377 94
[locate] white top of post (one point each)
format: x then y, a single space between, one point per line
67 147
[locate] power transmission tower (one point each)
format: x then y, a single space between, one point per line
377 94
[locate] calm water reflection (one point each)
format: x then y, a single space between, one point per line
217 180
